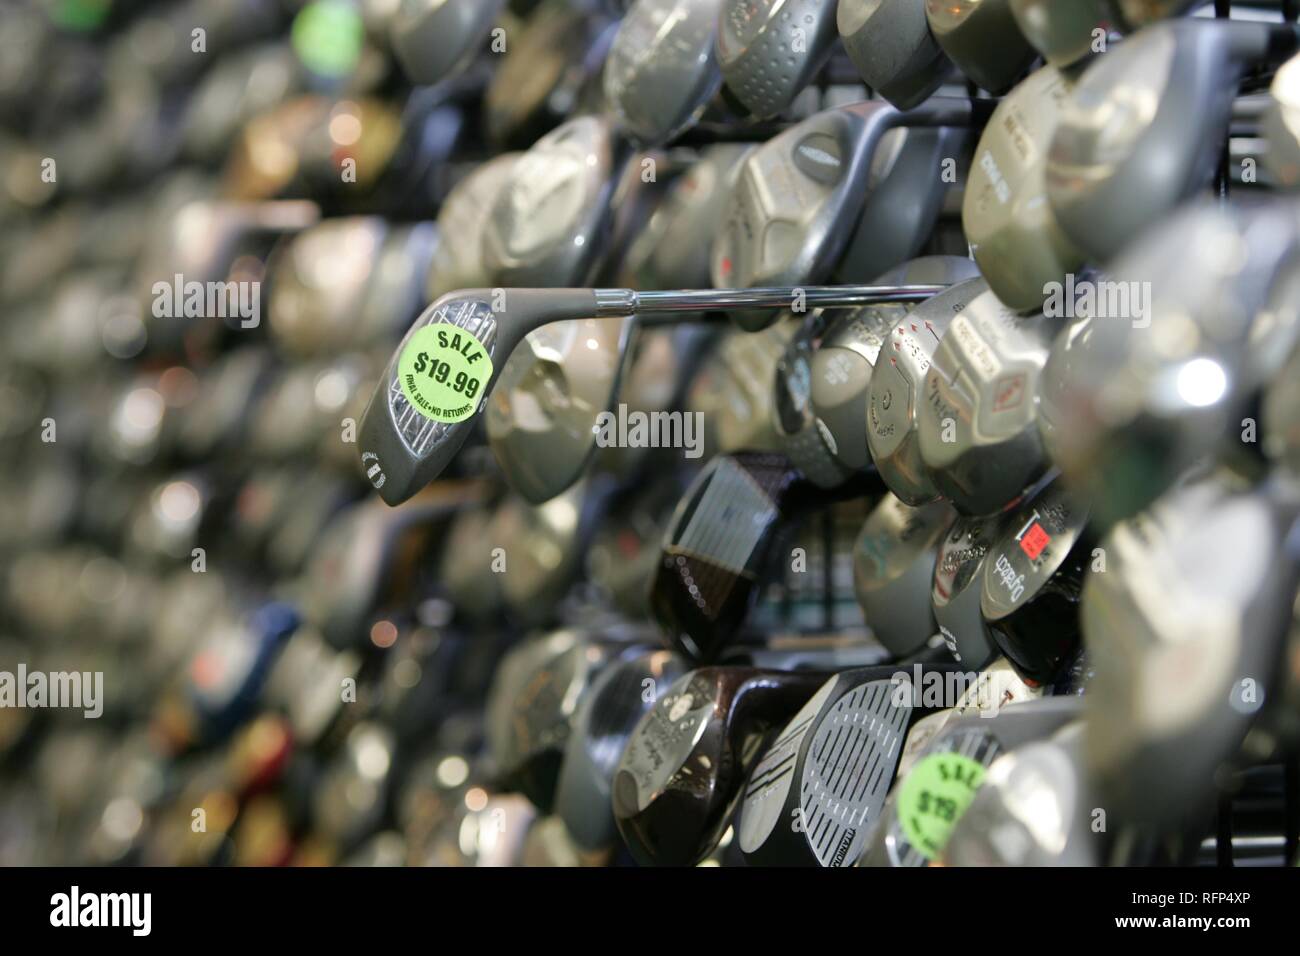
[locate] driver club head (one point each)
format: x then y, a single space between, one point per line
769 50
1032 581
1161 376
890 43
840 369
982 38
464 218
955 588
1032 809
548 224
543 416
606 716
896 393
893 564
716 550
1143 128
928 802
662 71
978 426
682 772
845 187
1061 30
1280 125
1015 238
433 39
1199 589
820 785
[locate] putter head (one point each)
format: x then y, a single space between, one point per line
842 366
433 39
464 217
1281 125
1031 810
769 50
1199 588
1133 397
606 716
797 200
982 38
548 223
1011 228
543 419
890 43
938 789
662 71
956 586
1032 582
415 423
896 392
681 774
716 551
978 426
1061 30
1142 130
813 797
893 564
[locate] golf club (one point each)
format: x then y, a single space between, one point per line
890 43
464 218
982 38
1063 31
424 408
769 50
433 39
686 762
956 586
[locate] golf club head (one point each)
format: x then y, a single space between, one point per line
673 250
1032 809
464 218
235 90
717 550
1160 377
815 793
982 38
319 279
995 687
956 587
844 361
607 714
548 223
1141 131
893 564
896 392
433 39
733 390
1032 582
1015 238
662 70
1199 588
543 418
927 803
1063 31
977 429
890 43
769 50
685 764
1281 125
413 427
803 437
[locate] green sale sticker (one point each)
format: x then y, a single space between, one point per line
934 796
443 371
